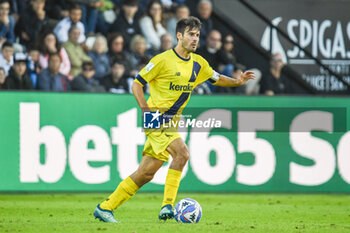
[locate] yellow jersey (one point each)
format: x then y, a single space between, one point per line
172 78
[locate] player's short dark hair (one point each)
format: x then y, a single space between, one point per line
190 23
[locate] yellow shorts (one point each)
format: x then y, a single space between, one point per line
157 143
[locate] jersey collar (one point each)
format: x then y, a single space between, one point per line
180 56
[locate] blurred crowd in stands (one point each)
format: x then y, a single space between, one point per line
100 45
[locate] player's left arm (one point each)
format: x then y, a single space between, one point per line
225 81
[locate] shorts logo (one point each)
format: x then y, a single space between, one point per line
151 120
149 67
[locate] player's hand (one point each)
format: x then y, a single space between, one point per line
244 77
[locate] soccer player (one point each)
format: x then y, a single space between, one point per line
171 76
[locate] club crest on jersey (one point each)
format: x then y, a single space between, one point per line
177 74
174 87
149 67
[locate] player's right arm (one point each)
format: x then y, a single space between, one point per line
137 90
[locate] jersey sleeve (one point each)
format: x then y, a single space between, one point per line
150 71
206 72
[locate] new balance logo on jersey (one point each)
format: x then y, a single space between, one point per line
174 87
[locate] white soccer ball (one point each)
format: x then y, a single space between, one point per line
188 211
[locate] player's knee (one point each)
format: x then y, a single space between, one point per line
186 155
182 154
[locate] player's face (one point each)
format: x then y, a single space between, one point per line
190 39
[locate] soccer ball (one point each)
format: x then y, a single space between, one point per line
188 211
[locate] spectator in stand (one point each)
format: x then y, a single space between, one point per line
226 56
75 51
117 50
85 81
18 78
143 62
116 82
31 23
33 53
89 13
182 11
202 89
127 24
210 53
2 79
211 48
275 82
204 10
239 68
50 79
166 42
33 67
138 52
7 23
6 57
99 57
62 28
106 16
48 44
57 9
153 25
18 8
142 5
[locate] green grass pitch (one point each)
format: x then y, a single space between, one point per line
266 213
